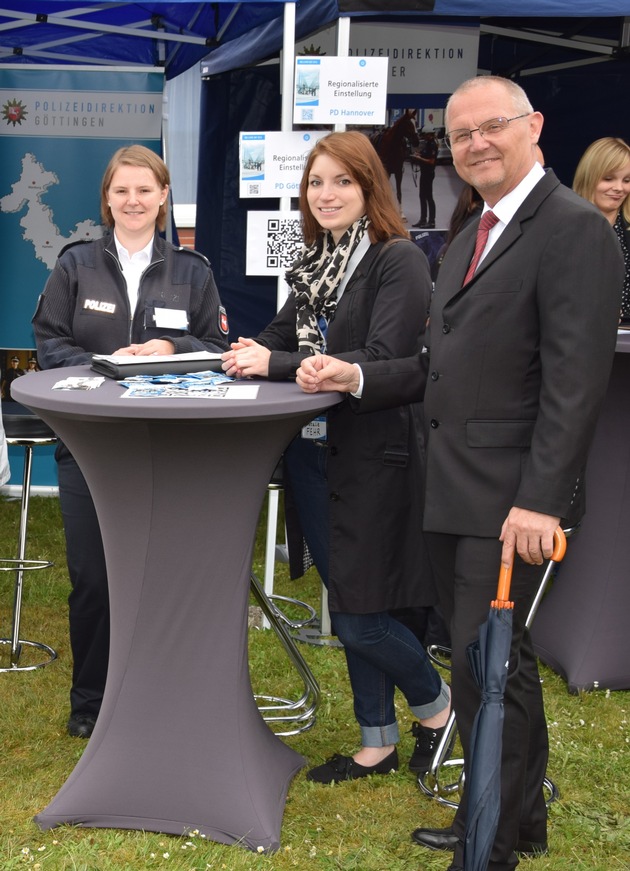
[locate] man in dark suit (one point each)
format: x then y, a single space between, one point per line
519 358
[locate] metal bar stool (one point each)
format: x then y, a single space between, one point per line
312 629
436 782
275 552
281 710
24 429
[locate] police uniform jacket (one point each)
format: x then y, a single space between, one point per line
84 308
374 461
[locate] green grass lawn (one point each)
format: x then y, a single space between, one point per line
357 826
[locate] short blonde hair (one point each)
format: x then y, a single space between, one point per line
602 157
134 155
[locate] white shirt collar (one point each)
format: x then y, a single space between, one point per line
144 255
508 205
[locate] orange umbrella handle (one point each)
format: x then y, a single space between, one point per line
505 573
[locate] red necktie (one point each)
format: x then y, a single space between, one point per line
487 222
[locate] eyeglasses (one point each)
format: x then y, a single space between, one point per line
461 137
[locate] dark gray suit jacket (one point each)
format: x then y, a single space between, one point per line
519 360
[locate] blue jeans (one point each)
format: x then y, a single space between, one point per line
381 652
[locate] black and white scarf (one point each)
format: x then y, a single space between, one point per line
314 279
620 229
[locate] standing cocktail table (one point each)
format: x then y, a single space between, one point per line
179 745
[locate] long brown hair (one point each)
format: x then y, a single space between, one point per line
356 154
135 155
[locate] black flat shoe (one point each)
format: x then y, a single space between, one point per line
81 725
339 768
426 741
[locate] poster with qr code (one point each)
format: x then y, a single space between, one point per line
274 240
272 163
340 90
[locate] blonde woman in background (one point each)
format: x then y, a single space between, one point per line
603 177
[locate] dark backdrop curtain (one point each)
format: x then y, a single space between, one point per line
236 101
579 105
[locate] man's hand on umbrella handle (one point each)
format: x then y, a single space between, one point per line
528 533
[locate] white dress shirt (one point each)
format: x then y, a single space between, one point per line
508 205
133 266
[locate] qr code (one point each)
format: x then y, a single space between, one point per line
284 242
253 190
307 115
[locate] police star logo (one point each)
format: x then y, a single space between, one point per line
14 112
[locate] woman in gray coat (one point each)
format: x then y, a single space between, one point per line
360 290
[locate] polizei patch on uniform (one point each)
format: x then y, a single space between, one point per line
96 305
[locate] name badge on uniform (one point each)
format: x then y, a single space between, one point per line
171 318
316 429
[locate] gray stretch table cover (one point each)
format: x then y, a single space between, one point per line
179 744
581 629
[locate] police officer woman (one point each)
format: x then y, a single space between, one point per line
130 292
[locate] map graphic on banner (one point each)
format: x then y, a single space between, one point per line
27 198
58 129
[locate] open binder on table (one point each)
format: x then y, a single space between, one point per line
120 367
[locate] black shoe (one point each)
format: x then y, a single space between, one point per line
81 725
419 224
446 839
426 742
533 849
430 225
435 839
339 768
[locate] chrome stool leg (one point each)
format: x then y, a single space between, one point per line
20 565
431 782
318 632
311 630
281 710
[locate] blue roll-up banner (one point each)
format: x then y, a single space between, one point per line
59 126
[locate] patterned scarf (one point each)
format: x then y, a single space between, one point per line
314 279
619 229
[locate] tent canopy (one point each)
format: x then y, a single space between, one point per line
176 35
